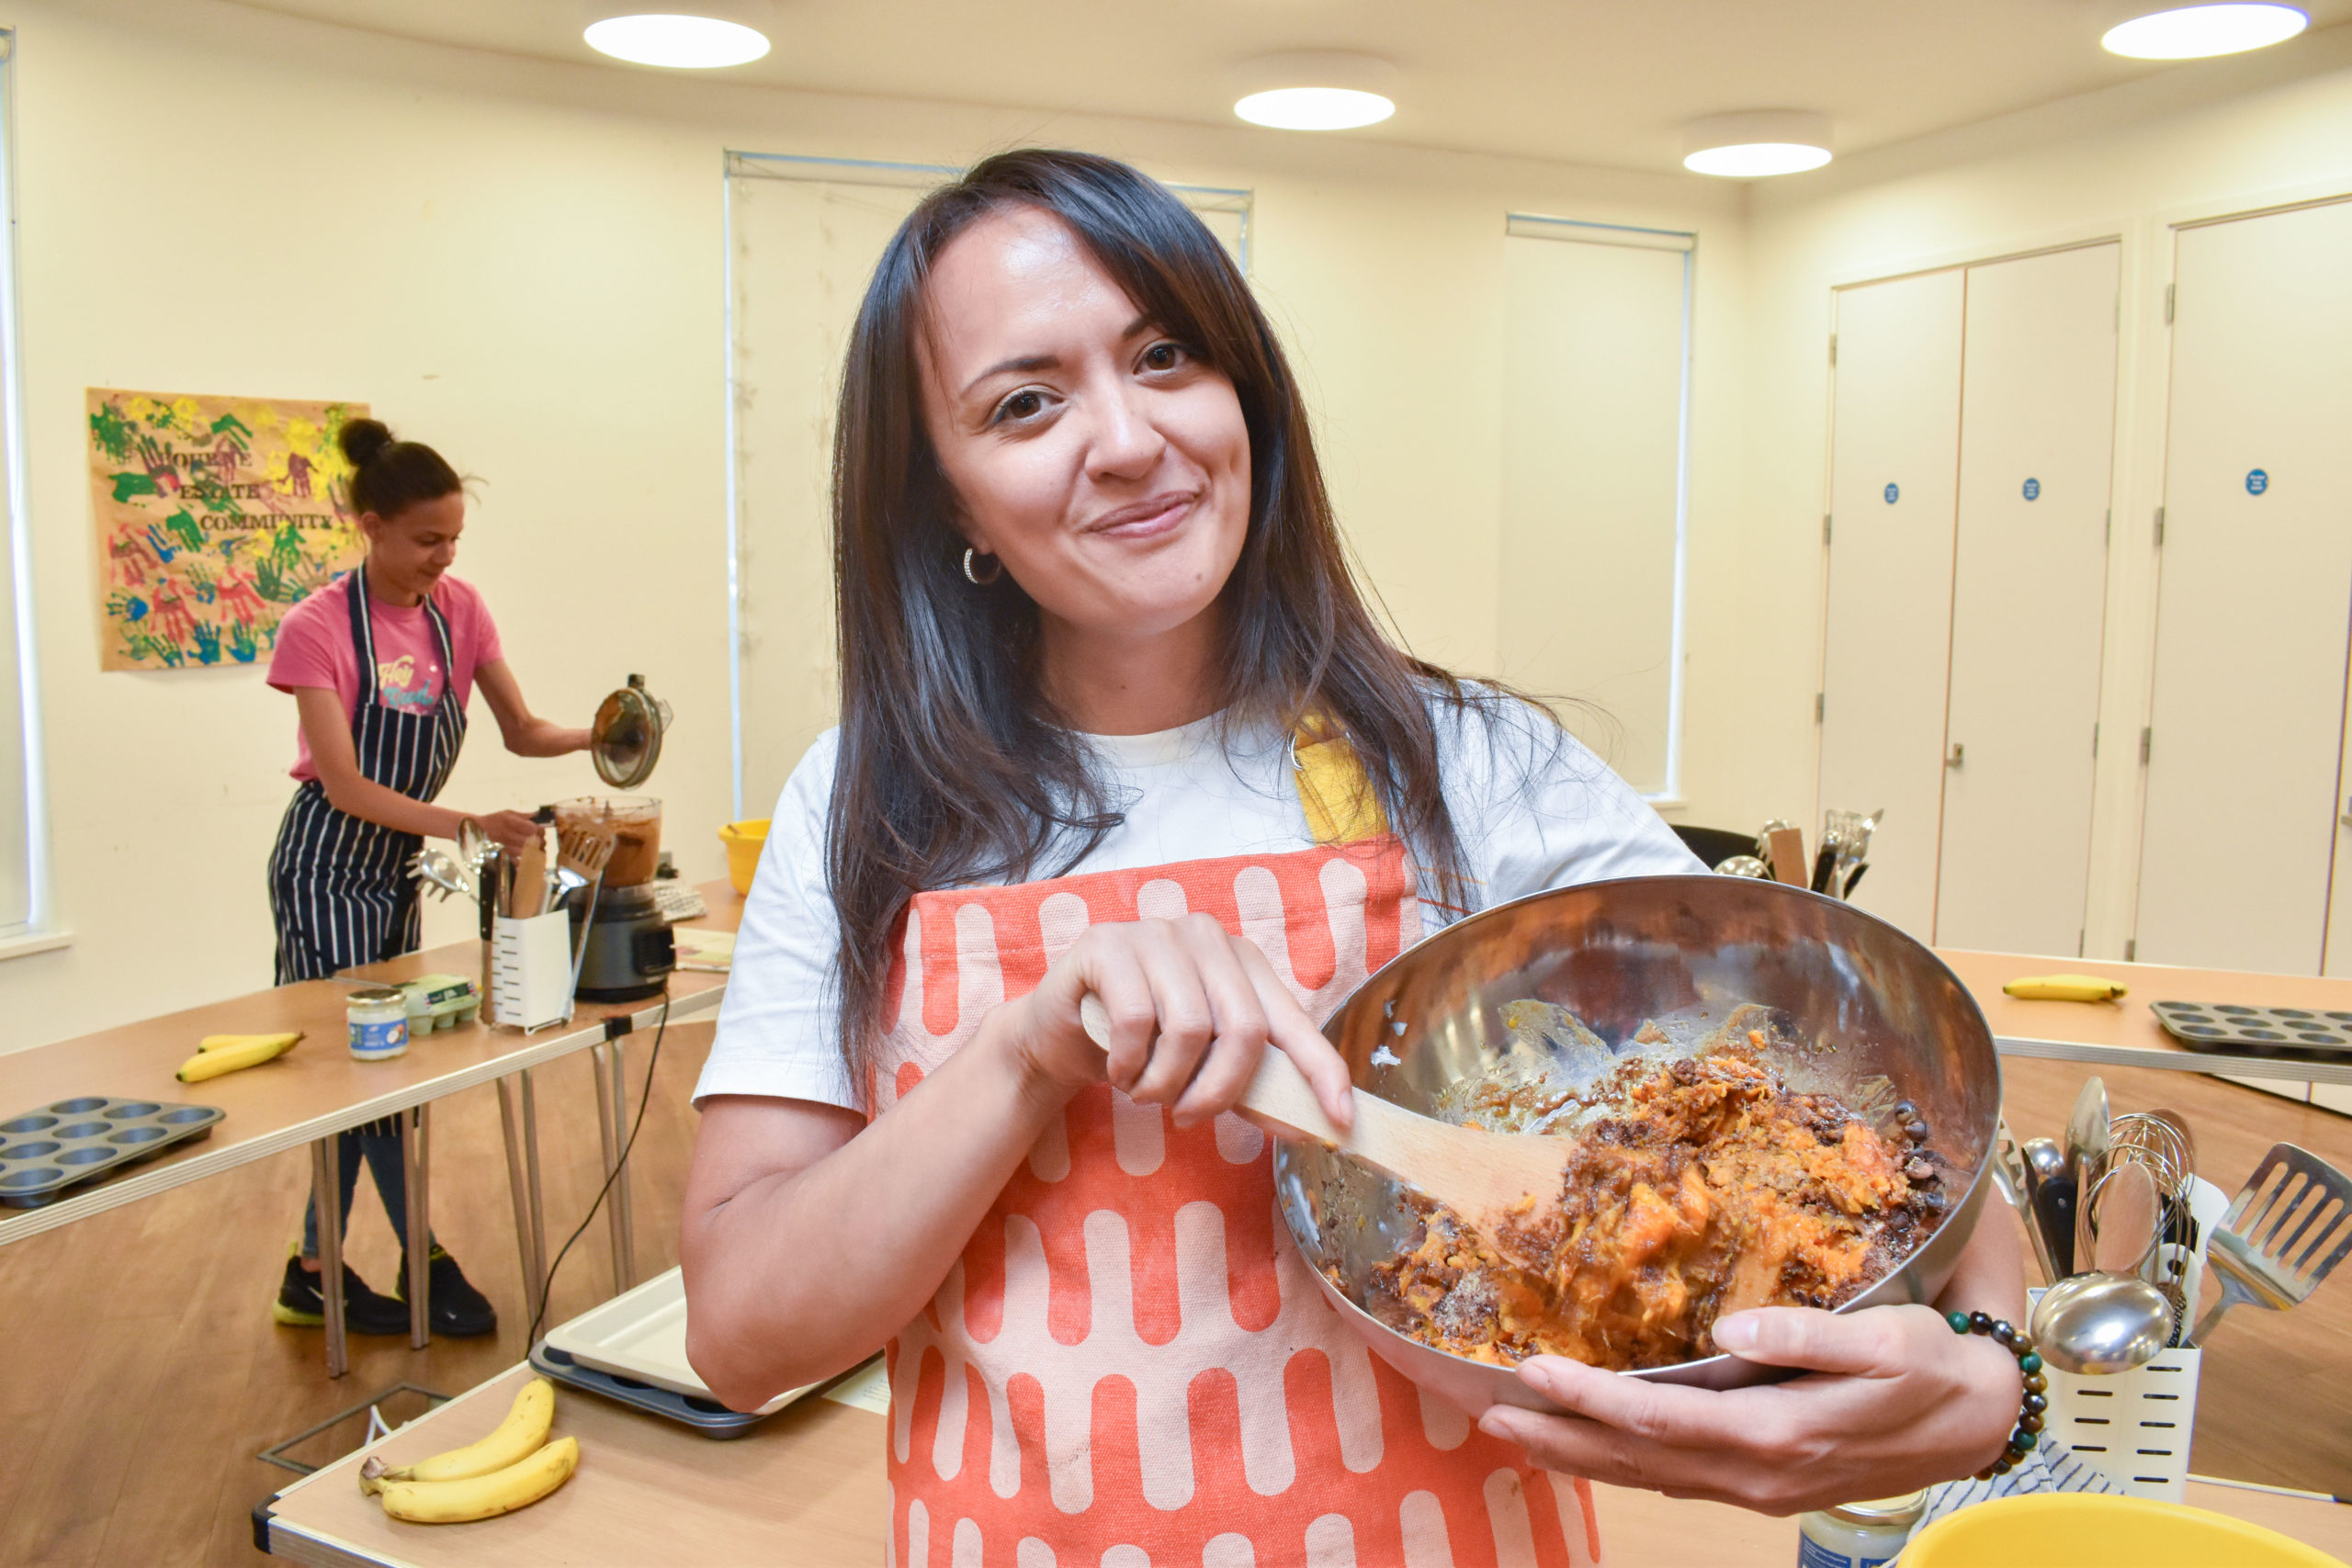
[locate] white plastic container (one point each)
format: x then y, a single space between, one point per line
529 965
2134 1428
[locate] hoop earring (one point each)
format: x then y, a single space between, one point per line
996 569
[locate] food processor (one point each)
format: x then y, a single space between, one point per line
622 939
625 951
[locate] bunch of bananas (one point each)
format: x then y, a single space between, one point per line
513 1468
218 1054
2064 988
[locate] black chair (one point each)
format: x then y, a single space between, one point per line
1715 845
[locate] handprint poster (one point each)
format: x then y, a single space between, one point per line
215 516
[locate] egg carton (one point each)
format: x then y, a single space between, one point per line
45 1151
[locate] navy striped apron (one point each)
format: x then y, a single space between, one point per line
339 887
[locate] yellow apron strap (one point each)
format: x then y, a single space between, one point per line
1338 799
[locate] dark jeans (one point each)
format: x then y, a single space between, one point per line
378 1142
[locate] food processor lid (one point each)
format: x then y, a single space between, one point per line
626 741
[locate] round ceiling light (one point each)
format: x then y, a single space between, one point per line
2193 32
1316 91
679 41
1755 144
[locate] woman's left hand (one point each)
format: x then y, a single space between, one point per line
1894 1401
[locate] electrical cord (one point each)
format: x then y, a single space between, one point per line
644 1100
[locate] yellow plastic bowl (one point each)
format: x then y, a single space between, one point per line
2080 1530
744 841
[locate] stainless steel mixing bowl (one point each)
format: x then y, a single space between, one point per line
1868 1001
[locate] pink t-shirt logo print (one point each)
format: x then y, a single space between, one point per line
398 686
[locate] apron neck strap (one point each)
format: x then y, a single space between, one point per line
1340 804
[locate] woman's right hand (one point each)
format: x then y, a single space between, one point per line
1192 1010
510 829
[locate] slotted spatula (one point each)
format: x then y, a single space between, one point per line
2274 1247
1481 1175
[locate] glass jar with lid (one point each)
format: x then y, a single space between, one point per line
1857 1535
377 1019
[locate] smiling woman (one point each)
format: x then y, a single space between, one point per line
1105 413
1117 721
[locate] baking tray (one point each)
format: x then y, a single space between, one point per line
640 1335
2310 1034
48 1149
701 1412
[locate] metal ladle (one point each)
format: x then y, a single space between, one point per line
2101 1324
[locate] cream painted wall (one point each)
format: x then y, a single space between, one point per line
520 263
2200 142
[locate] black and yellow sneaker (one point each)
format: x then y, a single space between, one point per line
301 1304
454 1307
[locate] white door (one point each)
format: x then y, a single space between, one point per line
2246 725
2037 442
1592 472
1894 460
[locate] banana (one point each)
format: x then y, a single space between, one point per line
484 1496
222 1059
516 1438
230 1042
2064 988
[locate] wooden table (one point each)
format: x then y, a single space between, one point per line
2125 1033
805 1488
319 1090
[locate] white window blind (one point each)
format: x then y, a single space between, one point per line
1595 462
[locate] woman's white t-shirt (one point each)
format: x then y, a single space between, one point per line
1531 808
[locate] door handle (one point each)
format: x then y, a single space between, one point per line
1957 757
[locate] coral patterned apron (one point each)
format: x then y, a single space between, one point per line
1131 1367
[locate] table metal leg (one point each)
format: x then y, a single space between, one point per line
416 1161
326 1192
600 1063
531 1182
510 1126
623 1210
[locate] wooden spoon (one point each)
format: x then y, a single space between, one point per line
1479 1175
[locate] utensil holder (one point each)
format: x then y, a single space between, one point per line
526 971
2135 1428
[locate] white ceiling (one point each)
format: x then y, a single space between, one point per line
1606 82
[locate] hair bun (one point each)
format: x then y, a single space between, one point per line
364 439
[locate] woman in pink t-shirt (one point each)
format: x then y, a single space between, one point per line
380 663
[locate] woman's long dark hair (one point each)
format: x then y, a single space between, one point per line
954 766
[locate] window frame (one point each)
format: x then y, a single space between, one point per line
37 932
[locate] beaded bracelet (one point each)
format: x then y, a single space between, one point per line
2028 1436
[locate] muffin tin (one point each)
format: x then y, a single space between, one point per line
707 1416
2308 1032
45 1151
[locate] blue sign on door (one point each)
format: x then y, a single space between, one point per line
1892 491
2033 489
2257 481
